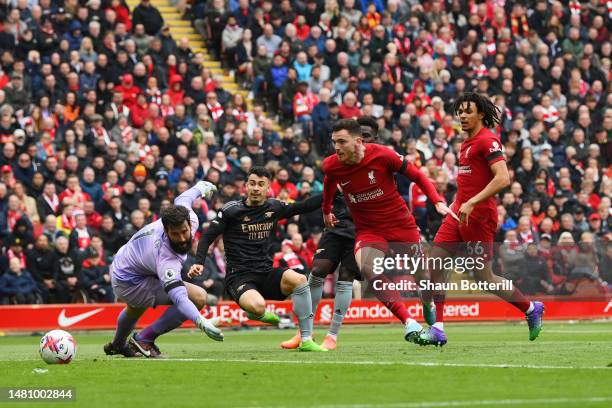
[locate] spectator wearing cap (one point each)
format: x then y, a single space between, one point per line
13 248
304 102
128 90
595 224
295 171
277 153
16 93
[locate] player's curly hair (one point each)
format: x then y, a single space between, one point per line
174 216
492 114
369 128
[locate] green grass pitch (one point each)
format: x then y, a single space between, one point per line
484 365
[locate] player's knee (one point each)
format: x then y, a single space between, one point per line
258 306
299 280
346 275
319 272
199 299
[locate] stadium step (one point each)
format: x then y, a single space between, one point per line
179 29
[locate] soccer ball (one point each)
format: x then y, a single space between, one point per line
57 347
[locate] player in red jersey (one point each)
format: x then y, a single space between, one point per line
366 175
482 174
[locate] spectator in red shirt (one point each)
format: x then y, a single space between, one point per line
282 181
73 192
349 109
128 90
303 103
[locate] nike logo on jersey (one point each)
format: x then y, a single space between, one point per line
64 321
344 184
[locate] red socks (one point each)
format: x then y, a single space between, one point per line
518 300
390 298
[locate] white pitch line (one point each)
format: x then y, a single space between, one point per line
438 404
383 363
561 331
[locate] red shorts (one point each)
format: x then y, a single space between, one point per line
380 239
481 229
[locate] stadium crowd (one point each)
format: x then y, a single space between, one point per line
105 117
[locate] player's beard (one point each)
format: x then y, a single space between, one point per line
182 247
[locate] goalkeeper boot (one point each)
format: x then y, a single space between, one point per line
534 320
126 351
147 349
412 331
310 345
293 342
432 337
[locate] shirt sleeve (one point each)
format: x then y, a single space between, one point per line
169 269
186 200
492 150
300 207
329 189
399 164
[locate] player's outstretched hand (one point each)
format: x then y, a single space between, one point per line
195 270
208 326
206 188
443 209
464 211
330 220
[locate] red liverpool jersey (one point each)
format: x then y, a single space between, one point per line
477 154
369 188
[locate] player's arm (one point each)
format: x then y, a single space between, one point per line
300 207
329 192
201 189
402 166
169 274
501 180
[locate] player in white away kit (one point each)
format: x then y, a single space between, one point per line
146 272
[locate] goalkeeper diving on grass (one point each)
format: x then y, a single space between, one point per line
146 272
